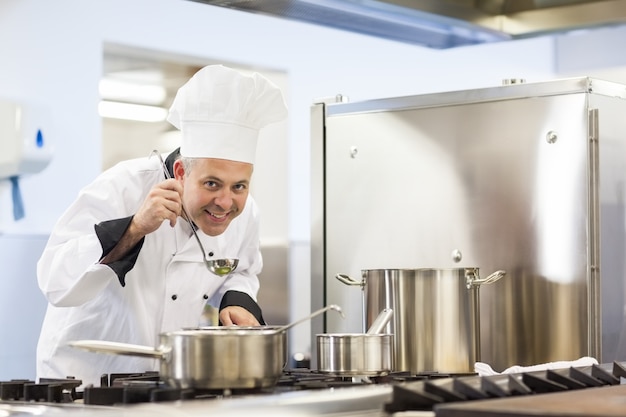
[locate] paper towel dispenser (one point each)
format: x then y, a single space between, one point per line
24 145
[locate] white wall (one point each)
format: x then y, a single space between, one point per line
52 55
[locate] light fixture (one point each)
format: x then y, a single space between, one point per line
128 111
131 92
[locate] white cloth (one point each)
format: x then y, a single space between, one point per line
220 111
482 369
86 300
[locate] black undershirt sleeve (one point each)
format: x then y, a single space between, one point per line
109 234
241 299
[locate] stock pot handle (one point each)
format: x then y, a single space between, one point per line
473 280
346 279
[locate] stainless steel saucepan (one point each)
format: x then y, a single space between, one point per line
214 357
357 354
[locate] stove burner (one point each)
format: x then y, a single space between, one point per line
137 393
110 380
47 390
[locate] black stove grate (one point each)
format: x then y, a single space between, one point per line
130 388
430 393
147 387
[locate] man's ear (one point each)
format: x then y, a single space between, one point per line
179 169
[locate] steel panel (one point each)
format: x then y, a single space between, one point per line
529 183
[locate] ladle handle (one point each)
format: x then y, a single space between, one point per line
186 216
310 316
381 321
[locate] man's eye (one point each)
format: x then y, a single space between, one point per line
211 184
240 187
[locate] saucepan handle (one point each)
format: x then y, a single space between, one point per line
380 322
102 346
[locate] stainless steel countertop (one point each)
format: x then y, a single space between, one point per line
366 401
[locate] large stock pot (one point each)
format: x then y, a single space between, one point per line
436 321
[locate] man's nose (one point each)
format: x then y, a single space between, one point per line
224 199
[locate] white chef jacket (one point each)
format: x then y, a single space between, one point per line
167 289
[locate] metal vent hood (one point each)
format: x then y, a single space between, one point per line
442 24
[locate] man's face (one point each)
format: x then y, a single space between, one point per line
214 191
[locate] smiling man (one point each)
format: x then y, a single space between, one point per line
218 188
125 261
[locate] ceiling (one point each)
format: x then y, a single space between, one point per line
442 24
126 138
134 67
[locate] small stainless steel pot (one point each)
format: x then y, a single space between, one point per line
357 354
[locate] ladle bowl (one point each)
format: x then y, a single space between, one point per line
222 267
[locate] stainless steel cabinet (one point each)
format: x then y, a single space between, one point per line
528 178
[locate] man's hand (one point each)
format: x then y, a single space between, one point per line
162 203
239 316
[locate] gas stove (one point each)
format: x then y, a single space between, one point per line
302 392
130 388
306 393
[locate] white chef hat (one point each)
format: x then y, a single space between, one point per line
220 111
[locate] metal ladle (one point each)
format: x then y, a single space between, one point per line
219 267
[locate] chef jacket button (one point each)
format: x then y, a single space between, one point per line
210 253
206 297
174 296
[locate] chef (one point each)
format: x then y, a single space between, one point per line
122 263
